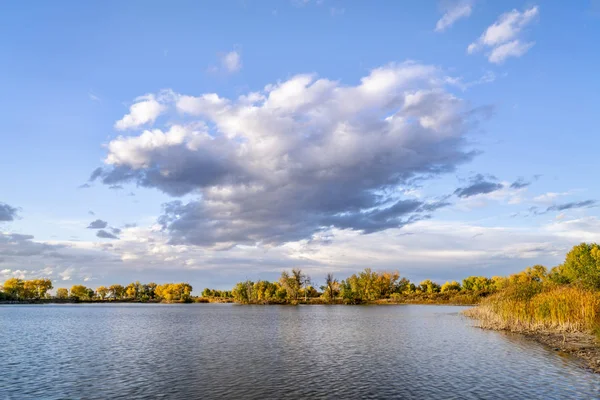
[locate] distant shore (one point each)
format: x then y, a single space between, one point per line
203 300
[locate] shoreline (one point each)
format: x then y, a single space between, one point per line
209 301
580 345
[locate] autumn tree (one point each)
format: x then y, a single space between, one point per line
428 286
62 293
102 292
116 291
292 283
81 292
450 287
331 288
14 288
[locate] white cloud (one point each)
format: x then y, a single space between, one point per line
453 13
548 198
231 62
254 158
510 49
145 110
440 250
502 37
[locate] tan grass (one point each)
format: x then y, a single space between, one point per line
558 308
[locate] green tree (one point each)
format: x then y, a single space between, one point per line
428 286
581 266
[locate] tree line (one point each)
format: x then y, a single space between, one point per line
38 289
581 269
296 286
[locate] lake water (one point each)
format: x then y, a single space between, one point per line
205 351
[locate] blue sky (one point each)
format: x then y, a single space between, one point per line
311 172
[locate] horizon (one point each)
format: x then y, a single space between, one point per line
214 143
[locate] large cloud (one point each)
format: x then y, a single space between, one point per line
299 156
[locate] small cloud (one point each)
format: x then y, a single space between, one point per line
7 213
97 224
510 49
479 184
96 174
519 184
105 235
573 205
115 231
145 110
84 186
93 97
115 187
231 62
487 77
502 37
91 212
454 12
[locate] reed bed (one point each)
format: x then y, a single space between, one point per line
539 308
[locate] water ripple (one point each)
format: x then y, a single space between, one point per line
255 352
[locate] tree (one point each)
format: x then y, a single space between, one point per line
102 292
131 291
478 283
582 266
450 287
14 288
242 292
42 286
116 291
291 283
428 286
62 293
306 284
331 288
81 292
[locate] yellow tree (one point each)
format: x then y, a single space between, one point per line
62 293
102 292
116 291
41 287
80 292
14 287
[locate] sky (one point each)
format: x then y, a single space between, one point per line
213 142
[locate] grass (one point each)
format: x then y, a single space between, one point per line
536 307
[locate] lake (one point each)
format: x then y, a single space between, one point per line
193 351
